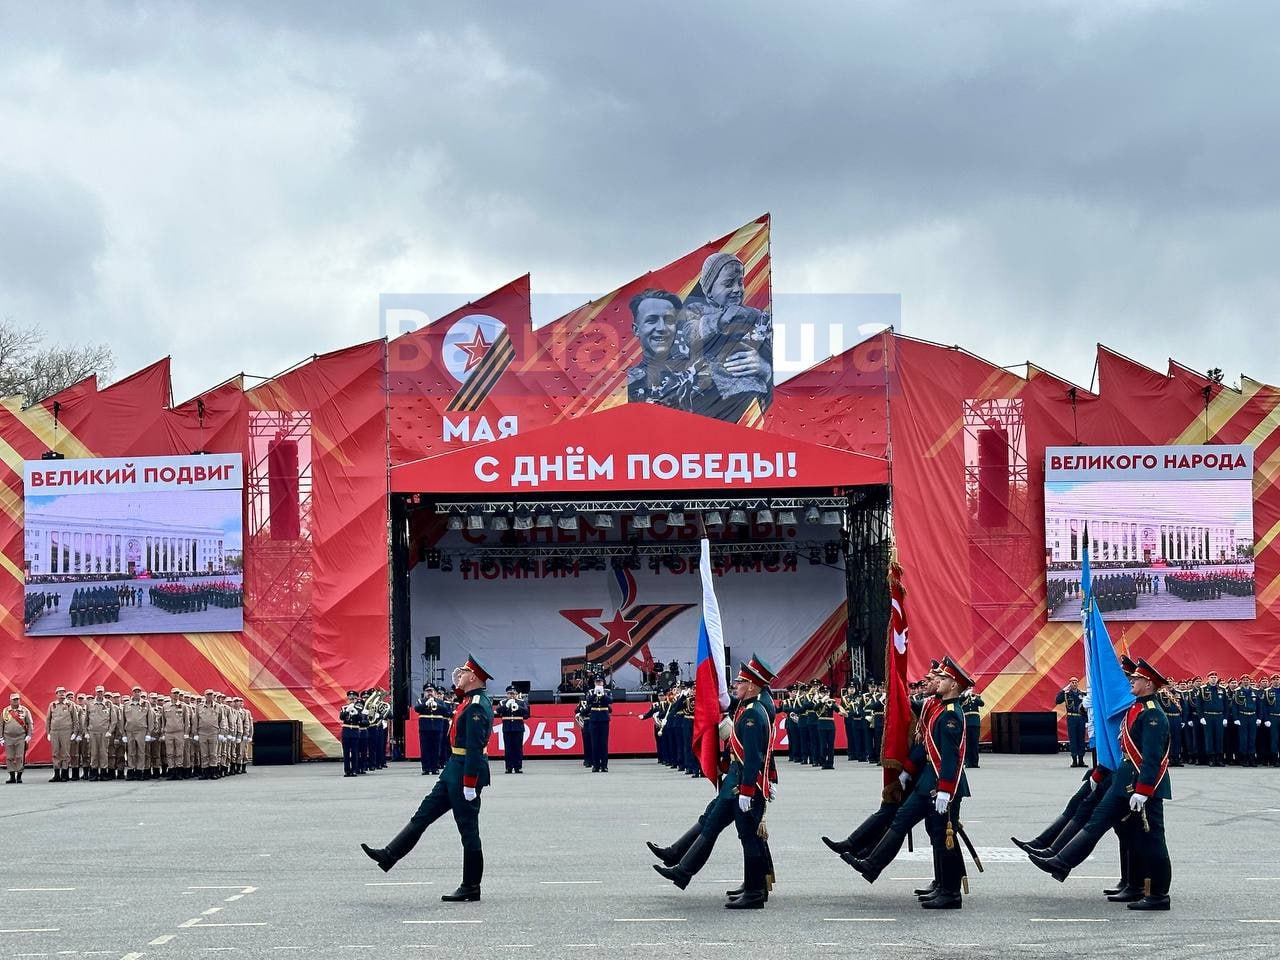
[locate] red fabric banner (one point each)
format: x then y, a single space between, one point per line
897 709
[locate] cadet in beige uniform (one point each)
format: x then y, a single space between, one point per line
98 722
206 735
80 741
118 741
16 725
136 723
191 749
173 727
61 722
155 737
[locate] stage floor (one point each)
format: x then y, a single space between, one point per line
267 865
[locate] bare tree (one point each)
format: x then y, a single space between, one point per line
1216 375
33 370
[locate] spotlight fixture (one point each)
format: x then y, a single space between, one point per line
603 521
542 519
432 559
715 518
789 558
811 513
815 557
737 518
764 515
446 564
455 519
832 553
831 517
654 563
524 519
642 519
787 518
475 519
501 520
568 519
675 516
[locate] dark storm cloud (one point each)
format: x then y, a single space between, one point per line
1031 178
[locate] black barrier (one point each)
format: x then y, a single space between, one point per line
1028 731
277 742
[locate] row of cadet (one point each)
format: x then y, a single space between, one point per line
146 736
366 720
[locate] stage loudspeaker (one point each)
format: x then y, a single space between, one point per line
432 649
993 477
277 742
522 686
541 696
282 489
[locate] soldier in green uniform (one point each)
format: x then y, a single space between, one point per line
1134 800
935 796
744 790
458 789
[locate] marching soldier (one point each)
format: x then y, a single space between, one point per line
458 790
513 711
741 799
1134 801
935 796
61 723
16 725
1072 699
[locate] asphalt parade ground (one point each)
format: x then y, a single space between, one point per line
268 865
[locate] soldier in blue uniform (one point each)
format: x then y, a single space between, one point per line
876 713
1244 717
1269 714
352 718
744 790
1072 698
458 789
433 723
1134 801
935 796
855 724
1213 719
1171 703
513 712
599 702
656 713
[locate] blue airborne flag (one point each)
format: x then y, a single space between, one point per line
1109 693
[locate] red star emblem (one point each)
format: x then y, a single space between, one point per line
475 349
618 630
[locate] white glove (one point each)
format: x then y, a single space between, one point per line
468 793
1237 723
903 777
1203 721
1257 723
1093 784
124 739
941 801
725 728
773 791
196 738
147 739
1224 721
744 803
1137 801
1267 723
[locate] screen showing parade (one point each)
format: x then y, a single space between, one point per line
1169 531
151 545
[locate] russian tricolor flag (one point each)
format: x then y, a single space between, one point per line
711 693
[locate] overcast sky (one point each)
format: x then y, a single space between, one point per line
235 184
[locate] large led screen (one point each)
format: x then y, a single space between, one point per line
1170 531
148 545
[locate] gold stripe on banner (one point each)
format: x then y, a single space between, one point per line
237 665
1221 409
1265 540
1049 645
12 568
99 651
39 422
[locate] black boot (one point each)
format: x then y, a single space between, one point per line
381 857
472 871
695 859
671 855
879 858
837 846
13 778
1125 895
19 776
75 773
1151 903
57 777
1066 859
755 893
1029 846
950 869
